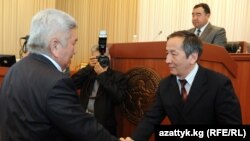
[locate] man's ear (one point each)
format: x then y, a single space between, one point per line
193 58
208 15
53 46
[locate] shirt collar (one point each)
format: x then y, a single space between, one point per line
202 28
190 77
53 62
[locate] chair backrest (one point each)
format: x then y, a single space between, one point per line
237 47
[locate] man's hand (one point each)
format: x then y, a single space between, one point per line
99 69
127 139
92 61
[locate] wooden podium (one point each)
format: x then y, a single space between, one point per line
126 56
3 71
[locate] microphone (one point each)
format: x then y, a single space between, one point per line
23 46
239 50
159 33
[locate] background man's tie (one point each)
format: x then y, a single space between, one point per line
198 32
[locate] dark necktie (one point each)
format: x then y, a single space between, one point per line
198 32
183 90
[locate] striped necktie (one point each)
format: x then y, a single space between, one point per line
198 32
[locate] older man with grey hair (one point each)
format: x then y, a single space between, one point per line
38 102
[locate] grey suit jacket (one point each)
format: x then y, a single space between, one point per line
213 35
211 100
39 103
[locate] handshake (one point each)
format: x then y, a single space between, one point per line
127 139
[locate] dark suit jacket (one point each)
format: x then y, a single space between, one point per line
112 87
213 35
211 100
39 103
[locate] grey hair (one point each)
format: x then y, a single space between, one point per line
191 42
46 25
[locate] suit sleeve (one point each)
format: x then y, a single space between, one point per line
114 84
228 109
66 113
151 118
79 77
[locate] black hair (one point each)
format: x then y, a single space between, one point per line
204 6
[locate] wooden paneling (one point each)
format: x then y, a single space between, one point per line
242 83
3 71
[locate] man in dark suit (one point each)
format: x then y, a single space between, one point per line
38 101
209 95
204 29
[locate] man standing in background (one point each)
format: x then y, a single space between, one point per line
204 29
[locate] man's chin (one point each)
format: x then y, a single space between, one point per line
172 71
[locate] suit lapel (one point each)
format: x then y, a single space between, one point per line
175 96
197 90
206 31
193 30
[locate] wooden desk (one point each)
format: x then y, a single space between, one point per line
242 83
3 71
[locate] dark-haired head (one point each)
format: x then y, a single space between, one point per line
204 6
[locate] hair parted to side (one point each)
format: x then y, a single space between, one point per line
46 25
191 43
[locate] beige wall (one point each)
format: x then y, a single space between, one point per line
172 15
122 19
15 20
118 17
